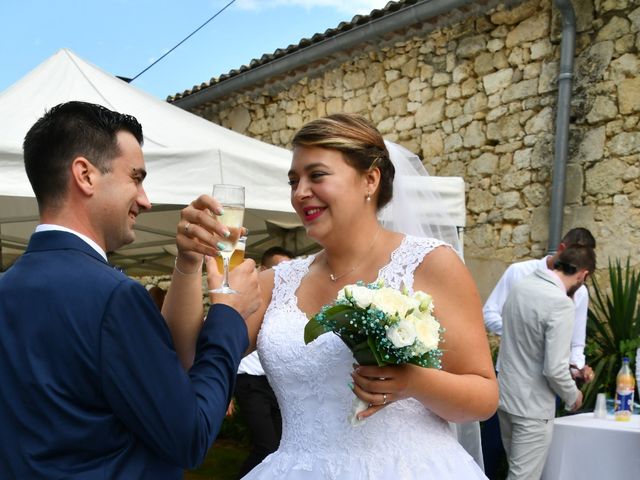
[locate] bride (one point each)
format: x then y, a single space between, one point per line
341 177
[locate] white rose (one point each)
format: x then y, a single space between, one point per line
427 331
402 334
425 301
392 302
361 296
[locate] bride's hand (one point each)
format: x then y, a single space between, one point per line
380 386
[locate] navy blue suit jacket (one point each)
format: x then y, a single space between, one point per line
90 384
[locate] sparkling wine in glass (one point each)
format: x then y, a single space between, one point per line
232 199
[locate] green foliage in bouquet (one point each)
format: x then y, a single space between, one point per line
381 326
613 328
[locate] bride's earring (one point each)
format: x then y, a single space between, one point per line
368 197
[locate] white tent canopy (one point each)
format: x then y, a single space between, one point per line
185 155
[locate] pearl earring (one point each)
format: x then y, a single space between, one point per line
368 197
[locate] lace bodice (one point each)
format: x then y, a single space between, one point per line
311 383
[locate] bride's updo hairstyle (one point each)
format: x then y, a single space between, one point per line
360 143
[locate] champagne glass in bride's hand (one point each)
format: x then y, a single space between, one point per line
231 197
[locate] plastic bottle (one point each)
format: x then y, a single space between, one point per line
625 384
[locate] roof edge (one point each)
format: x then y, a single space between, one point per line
401 18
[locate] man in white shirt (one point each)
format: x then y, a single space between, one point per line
492 311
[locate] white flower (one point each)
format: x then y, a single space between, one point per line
393 302
361 296
425 300
402 334
427 331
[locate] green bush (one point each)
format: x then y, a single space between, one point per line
613 328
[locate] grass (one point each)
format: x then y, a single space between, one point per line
222 462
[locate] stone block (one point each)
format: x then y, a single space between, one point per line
399 88
605 177
625 66
432 144
398 106
468 47
541 49
239 119
511 16
454 109
474 135
334 105
625 143
520 90
574 181
530 29
479 201
495 44
452 143
522 158
508 200
521 234
615 28
439 79
592 63
629 95
430 113
634 17
386 125
591 146
540 122
357 104
461 120
535 194
495 113
505 128
495 82
483 64
378 93
475 104
485 164
354 80
602 110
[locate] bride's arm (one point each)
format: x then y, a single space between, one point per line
183 306
466 387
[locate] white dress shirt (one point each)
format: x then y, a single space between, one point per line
48 227
492 310
251 365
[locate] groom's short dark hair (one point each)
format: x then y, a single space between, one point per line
67 131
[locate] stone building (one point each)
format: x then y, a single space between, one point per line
472 87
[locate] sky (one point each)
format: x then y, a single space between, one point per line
123 37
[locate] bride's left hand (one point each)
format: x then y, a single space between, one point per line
380 386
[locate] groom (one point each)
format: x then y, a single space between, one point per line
90 385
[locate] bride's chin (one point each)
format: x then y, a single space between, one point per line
315 233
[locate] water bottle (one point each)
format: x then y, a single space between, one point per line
625 384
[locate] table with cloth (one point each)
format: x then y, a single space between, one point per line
586 447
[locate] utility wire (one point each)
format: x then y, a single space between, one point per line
185 39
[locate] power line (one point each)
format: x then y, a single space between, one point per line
184 40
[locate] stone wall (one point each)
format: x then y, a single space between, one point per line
477 99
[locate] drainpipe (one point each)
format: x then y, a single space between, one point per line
567 53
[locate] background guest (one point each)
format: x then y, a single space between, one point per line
493 453
534 355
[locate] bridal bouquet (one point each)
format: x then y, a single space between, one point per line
381 326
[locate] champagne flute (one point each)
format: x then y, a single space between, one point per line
232 199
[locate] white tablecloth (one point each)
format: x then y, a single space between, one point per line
585 447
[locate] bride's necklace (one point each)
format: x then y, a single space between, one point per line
335 278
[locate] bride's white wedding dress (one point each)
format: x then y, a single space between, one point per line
402 441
